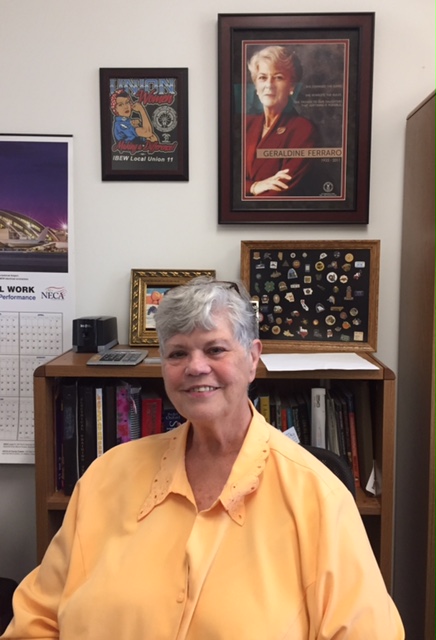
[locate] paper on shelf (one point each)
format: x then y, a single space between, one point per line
316 361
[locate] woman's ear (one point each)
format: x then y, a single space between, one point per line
255 351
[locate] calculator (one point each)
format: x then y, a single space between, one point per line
118 357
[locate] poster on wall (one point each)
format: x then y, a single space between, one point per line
144 123
37 295
295 108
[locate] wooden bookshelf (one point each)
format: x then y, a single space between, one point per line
377 512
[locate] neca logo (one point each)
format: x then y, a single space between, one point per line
54 293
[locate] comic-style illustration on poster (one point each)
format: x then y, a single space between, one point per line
145 126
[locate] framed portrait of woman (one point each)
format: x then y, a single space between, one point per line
295 99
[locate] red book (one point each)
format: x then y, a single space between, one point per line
349 398
151 415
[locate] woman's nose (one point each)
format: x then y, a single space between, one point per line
198 364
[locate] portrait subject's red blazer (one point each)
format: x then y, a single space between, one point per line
291 131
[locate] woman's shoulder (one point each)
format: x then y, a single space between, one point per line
293 459
129 456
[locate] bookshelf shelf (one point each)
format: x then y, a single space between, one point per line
377 512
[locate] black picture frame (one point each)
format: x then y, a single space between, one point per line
326 149
135 102
314 295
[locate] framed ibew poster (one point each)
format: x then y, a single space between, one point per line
314 295
144 124
295 95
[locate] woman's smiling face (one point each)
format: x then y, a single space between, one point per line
207 373
273 86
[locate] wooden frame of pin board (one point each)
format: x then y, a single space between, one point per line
314 295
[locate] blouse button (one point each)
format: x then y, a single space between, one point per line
181 597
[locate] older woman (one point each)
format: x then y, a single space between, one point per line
275 138
221 529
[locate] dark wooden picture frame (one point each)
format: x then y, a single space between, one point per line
144 124
321 139
146 289
314 295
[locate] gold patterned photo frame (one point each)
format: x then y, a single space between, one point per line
147 287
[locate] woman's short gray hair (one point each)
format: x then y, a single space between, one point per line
196 304
283 58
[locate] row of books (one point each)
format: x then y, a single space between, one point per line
338 418
92 416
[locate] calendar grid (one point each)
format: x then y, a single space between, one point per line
27 340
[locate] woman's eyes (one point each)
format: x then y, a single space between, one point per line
279 78
214 351
175 355
211 351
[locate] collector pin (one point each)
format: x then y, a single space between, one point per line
276 330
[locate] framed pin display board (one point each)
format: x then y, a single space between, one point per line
314 295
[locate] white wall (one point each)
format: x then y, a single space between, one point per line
51 52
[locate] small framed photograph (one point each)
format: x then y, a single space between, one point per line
147 288
295 104
314 295
144 124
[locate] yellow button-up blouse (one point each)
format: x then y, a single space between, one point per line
281 555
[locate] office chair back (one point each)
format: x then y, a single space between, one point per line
335 463
7 588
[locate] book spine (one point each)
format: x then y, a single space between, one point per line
99 420
278 408
70 440
135 412
109 416
90 445
354 450
284 411
59 435
340 427
318 417
122 397
81 428
331 426
296 417
342 408
303 412
349 398
264 406
363 421
151 415
171 418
